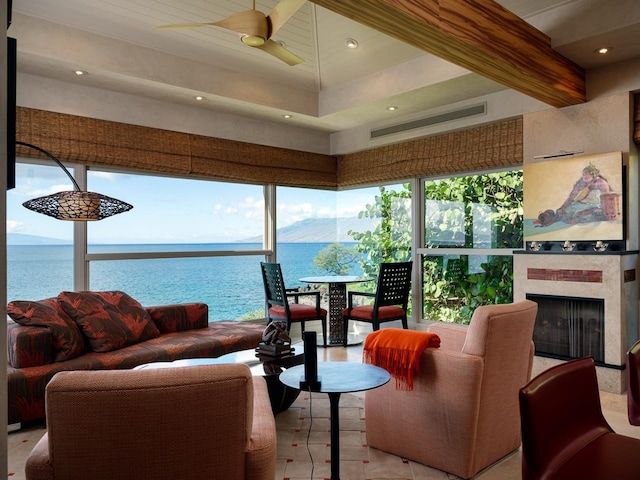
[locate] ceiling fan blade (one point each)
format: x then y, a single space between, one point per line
249 22
181 25
280 53
282 12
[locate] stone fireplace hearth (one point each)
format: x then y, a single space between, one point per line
609 277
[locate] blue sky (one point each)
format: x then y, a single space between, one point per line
168 210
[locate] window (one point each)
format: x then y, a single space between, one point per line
359 220
39 248
176 211
471 225
184 241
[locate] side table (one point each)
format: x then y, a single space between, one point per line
337 378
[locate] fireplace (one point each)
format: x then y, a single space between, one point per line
569 327
588 305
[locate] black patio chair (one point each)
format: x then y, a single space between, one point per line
390 299
278 306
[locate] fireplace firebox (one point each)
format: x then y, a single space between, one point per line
569 327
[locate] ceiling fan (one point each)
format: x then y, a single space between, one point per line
256 28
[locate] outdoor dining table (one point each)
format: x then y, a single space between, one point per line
337 302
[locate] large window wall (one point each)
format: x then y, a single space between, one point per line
199 240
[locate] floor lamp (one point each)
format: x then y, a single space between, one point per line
76 204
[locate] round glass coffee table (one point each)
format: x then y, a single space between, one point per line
266 366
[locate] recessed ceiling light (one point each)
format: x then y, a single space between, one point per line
287 115
392 108
351 43
80 72
603 50
199 98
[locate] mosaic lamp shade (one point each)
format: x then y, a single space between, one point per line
76 204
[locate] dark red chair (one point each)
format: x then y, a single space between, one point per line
278 306
633 384
564 434
390 299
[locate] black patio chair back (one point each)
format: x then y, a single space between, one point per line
274 289
394 283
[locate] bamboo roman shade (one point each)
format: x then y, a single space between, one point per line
475 149
117 145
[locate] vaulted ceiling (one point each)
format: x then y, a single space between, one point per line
415 55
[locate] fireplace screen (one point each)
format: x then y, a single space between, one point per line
569 327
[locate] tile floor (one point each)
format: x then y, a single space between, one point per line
358 462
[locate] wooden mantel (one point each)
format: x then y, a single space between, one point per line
479 35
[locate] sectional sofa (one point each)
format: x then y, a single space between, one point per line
105 330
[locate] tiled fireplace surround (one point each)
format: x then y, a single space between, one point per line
610 276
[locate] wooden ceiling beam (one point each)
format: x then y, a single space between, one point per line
479 35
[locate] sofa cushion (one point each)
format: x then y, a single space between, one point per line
28 346
68 342
179 317
109 320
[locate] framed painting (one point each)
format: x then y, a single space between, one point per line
577 199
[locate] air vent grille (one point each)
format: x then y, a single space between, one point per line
432 120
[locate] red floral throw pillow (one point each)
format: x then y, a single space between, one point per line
68 342
109 320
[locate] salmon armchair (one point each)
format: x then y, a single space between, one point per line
463 413
191 423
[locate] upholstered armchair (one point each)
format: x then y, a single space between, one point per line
210 421
463 413
633 383
564 433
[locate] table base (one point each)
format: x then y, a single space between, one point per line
337 302
352 339
281 397
334 413
337 378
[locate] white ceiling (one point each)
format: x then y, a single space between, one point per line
336 88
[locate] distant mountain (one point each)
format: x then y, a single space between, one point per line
23 239
320 230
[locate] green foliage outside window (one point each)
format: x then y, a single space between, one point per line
336 259
478 211
475 211
390 241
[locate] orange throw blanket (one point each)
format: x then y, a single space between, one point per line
398 351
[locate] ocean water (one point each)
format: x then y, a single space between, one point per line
231 286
